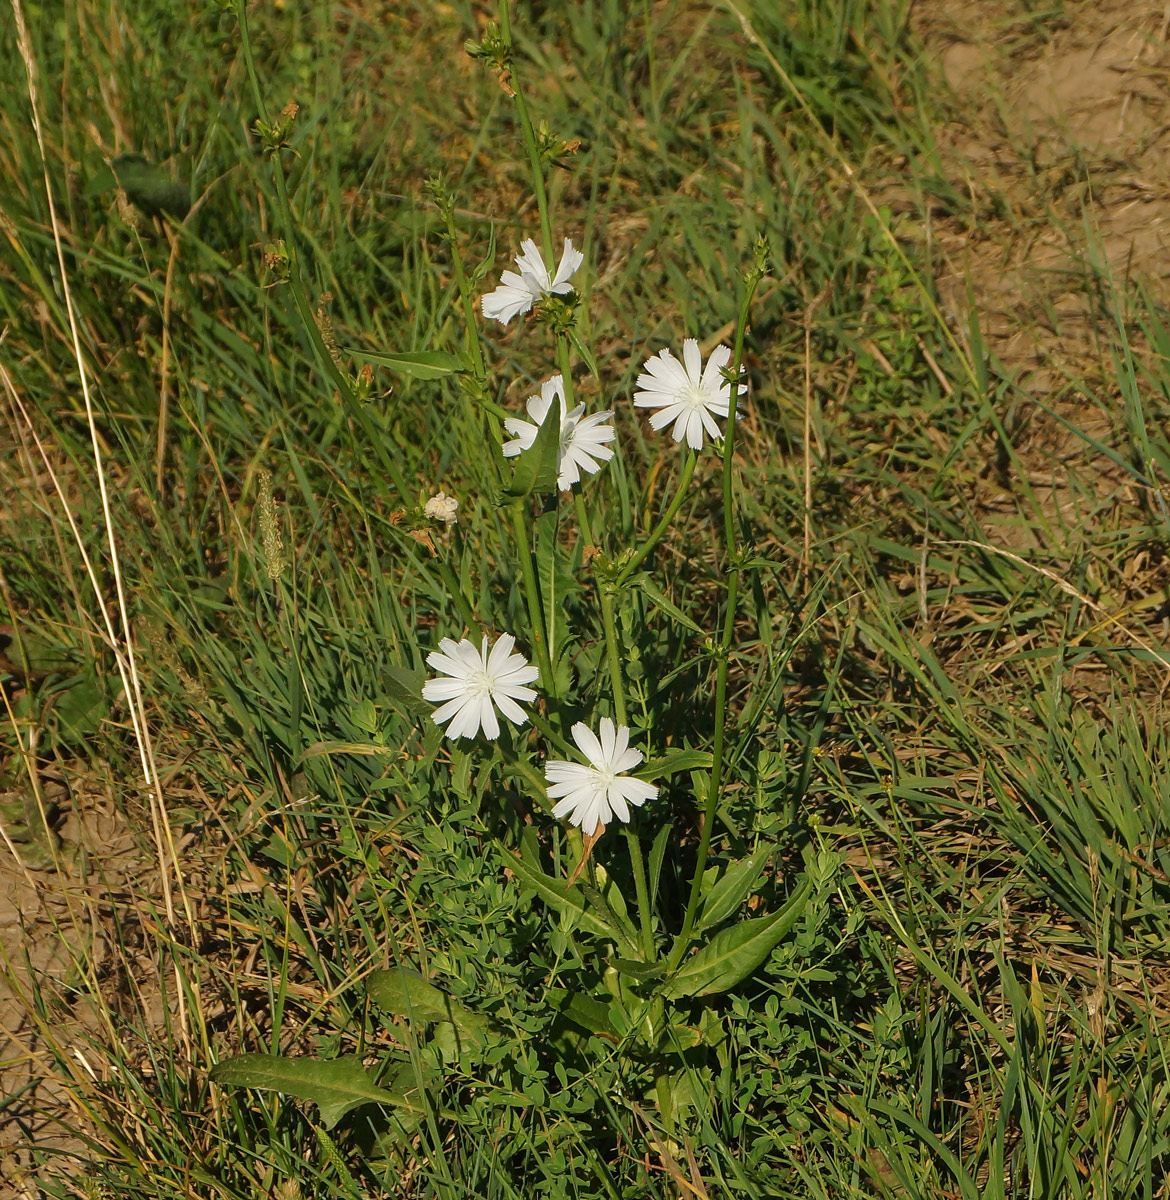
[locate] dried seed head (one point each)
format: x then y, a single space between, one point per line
324 323
441 507
274 558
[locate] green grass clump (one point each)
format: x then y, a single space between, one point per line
942 749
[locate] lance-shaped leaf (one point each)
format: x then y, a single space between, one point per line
420 364
732 888
568 901
657 597
536 467
557 583
403 992
657 854
733 954
584 351
594 1016
403 687
674 761
643 972
677 1037
335 1087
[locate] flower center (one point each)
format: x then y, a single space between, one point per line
605 777
695 396
480 683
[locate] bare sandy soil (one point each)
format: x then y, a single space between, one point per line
1059 140
59 896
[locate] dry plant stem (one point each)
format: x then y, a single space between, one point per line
530 142
164 365
123 650
806 556
715 782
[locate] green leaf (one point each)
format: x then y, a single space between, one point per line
536 468
611 895
556 585
593 1016
403 992
584 351
421 364
568 901
657 854
656 597
732 888
678 1037
364 716
403 688
101 181
335 1087
451 1042
641 971
403 1122
461 773
46 656
81 709
733 954
674 761
485 266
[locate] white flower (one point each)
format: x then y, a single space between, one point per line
685 393
582 438
518 293
480 683
595 793
441 507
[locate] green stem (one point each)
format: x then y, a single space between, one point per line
473 345
249 60
532 595
583 518
533 777
485 412
637 863
613 657
550 735
565 365
529 141
456 594
715 782
664 521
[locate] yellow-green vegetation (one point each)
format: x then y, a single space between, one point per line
889 914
